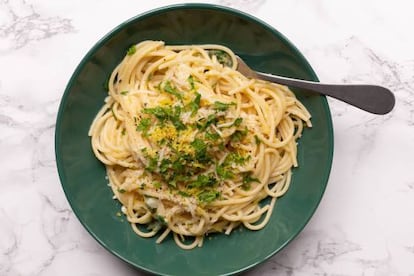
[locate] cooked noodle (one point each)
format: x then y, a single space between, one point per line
191 146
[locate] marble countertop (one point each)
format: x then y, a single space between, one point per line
364 224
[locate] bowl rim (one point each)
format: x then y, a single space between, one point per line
157 11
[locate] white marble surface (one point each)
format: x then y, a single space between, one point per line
364 224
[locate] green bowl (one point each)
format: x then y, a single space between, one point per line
83 176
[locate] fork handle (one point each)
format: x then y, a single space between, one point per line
372 98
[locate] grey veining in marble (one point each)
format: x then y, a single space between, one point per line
23 24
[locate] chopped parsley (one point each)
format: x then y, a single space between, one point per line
161 219
121 191
236 158
168 88
247 180
222 57
212 136
208 196
172 182
191 82
206 122
165 165
152 164
220 106
131 50
221 146
238 135
184 194
164 114
144 125
161 113
194 106
178 164
257 140
223 172
156 184
237 122
200 148
203 181
124 93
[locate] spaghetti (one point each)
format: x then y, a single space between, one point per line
191 146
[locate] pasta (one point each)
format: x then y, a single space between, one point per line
191 146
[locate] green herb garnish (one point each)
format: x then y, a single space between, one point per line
156 184
178 165
200 148
184 194
220 106
195 104
204 124
212 136
175 119
222 57
247 180
124 93
237 122
144 125
164 114
131 50
191 82
238 135
257 140
165 165
168 88
159 112
203 181
161 219
223 172
208 196
236 158
152 164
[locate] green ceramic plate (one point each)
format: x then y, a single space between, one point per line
83 177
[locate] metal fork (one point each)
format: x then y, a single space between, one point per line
372 98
